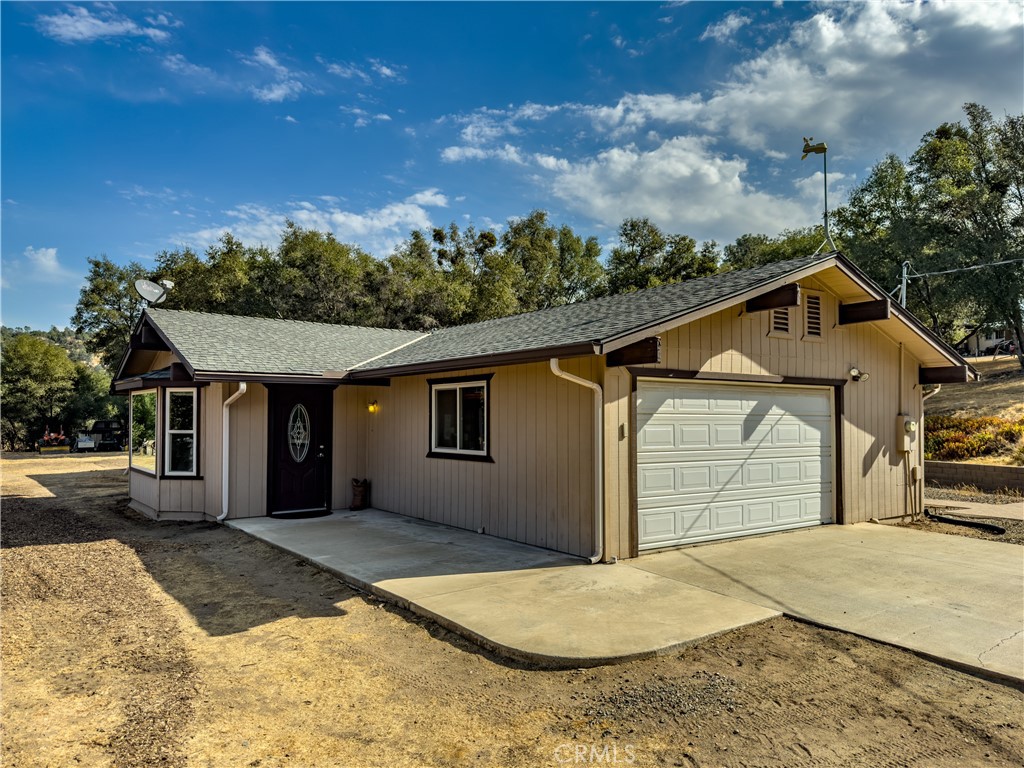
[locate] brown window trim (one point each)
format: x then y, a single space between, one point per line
458 455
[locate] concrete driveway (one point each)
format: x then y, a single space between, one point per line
957 599
949 597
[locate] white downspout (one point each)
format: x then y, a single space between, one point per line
930 394
598 456
225 453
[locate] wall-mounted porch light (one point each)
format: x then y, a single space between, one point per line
373 407
858 375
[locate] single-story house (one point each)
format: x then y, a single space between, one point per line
779 397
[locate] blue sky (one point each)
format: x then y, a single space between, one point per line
131 128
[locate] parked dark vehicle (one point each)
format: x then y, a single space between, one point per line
1005 347
105 435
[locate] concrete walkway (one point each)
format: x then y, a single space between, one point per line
523 602
1012 511
950 597
953 598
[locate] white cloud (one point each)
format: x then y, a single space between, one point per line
264 57
290 119
347 71
278 92
635 111
378 230
429 197
387 71
43 265
723 30
507 153
164 20
178 64
287 84
839 70
77 25
681 185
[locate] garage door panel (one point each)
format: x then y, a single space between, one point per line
731 432
668 478
712 520
657 436
720 461
667 500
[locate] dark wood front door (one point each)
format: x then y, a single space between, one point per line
299 448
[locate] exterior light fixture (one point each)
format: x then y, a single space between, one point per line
858 375
373 407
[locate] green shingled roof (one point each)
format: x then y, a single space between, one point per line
233 344
589 322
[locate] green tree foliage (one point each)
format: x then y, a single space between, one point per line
38 383
752 250
956 204
646 257
42 387
108 307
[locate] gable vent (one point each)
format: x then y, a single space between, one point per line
780 320
814 316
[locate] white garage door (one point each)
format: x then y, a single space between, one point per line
720 460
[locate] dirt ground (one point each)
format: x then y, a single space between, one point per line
999 393
132 643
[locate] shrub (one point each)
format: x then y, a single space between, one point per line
958 438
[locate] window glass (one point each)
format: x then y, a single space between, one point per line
179 411
446 418
180 436
181 453
459 417
142 437
473 416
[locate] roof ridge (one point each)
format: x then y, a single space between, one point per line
248 318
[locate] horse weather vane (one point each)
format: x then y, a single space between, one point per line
821 149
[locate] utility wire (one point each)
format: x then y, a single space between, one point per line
967 269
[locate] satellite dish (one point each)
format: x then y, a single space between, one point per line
152 292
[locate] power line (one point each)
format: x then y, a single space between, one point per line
967 268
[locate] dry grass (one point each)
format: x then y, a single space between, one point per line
999 393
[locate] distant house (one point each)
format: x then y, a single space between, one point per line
784 396
985 341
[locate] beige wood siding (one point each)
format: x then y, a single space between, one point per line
348 441
210 450
248 452
539 490
145 489
181 496
733 342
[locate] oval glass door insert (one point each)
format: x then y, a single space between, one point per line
298 432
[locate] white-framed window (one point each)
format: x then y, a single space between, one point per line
180 432
459 418
813 327
142 419
779 325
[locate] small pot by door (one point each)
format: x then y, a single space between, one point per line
299 451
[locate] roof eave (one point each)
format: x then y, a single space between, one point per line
478 361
